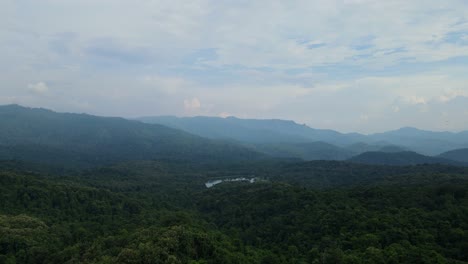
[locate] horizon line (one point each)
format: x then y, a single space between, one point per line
135 118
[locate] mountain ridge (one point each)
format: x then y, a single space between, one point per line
43 135
460 155
261 131
36 134
399 159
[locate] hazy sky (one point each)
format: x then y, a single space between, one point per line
350 65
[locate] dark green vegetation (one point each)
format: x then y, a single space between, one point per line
400 158
159 212
84 189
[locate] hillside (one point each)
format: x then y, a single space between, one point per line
44 136
460 155
361 147
398 158
306 151
257 131
425 142
276 131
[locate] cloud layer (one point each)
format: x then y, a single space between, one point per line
351 65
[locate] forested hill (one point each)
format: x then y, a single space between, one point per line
460 155
274 131
400 159
257 131
44 136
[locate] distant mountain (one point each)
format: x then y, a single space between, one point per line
322 150
40 135
392 149
256 131
399 159
275 131
44 136
460 155
362 147
426 142
306 151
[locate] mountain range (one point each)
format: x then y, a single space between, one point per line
289 134
82 140
44 136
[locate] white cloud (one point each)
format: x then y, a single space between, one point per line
415 100
254 34
39 88
316 61
167 85
451 94
364 118
8 100
224 114
413 89
192 104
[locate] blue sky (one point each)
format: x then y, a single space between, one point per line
349 65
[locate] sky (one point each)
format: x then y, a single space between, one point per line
350 65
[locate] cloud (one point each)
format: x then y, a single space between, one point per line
364 118
451 94
282 35
39 88
224 114
192 104
415 100
318 62
111 50
8 100
166 84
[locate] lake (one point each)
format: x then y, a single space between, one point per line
212 183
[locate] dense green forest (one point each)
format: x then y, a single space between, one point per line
161 212
400 158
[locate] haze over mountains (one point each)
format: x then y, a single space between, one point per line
44 136
41 135
288 134
460 155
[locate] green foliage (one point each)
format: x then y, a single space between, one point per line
160 212
401 159
386 224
